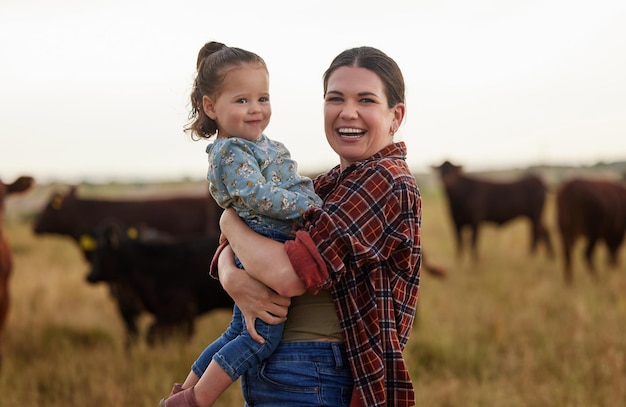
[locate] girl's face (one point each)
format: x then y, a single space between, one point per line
242 108
357 121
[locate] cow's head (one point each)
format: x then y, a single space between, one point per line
22 184
103 247
58 213
448 172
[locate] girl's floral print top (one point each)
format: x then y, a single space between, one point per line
259 179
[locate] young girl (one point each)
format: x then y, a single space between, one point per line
258 179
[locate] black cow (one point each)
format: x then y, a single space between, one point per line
473 201
591 209
170 276
21 184
68 215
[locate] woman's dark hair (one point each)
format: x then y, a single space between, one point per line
376 61
214 61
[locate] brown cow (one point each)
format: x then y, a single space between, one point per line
473 201
69 215
595 210
6 258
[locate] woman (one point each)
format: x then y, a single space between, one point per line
352 270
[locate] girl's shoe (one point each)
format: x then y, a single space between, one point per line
177 388
184 398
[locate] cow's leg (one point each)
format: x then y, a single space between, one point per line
160 331
130 308
4 312
4 308
613 258
474 241
613 246
539 235
567 244
545 236
535 235
155 333
591 245
459 240
129 316
6 266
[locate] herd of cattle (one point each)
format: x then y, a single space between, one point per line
586 208
153 254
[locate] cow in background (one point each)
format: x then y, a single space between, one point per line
71 216
170 276
473 201
591 209
22 184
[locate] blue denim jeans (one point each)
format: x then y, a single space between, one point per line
235 351
300 374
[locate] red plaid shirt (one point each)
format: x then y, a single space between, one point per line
365 245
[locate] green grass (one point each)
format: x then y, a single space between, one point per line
506 331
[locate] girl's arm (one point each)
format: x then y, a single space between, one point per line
254 299
263 258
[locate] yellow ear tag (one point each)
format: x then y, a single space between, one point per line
132 233
87 243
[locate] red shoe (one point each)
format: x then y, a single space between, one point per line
177 388
184 398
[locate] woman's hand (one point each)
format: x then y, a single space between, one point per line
263 258
229 216
254 299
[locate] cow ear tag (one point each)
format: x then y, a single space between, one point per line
87 243
132 233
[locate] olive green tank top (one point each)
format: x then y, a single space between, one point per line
311 318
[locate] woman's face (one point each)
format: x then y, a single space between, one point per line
357 121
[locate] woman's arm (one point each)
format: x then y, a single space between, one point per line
263 258
253 298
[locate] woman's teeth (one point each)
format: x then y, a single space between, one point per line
350 132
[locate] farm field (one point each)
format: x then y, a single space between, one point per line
505 331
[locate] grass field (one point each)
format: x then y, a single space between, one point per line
503 332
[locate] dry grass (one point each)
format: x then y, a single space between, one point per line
504 332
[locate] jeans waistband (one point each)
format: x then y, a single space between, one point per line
313 350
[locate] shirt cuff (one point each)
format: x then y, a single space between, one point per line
355 401
307 261
213 272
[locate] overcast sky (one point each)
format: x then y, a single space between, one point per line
98 90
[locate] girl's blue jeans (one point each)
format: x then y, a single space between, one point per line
235 351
